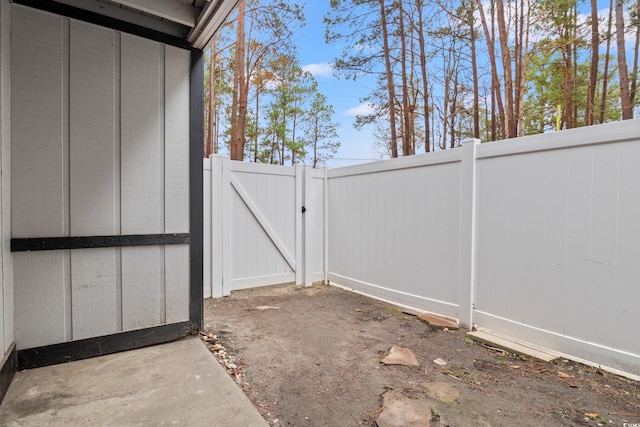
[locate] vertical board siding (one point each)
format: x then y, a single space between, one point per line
142 287
40 298
94 196
176 112
176 283
101 147
38 205
92 130
142 147
176 181
142 180
37 124
94 304
7 315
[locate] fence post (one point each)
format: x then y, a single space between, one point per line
299 256
325 227
220 249
207 280
467 252
312 210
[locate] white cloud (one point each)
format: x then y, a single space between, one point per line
324 69
360 110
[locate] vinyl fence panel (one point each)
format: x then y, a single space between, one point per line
534 238
394 230
557 227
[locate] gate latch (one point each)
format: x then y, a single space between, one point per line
304 209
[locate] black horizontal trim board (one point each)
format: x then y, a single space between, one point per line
104 21
93 347
8 370
89 242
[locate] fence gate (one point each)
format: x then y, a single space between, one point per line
257 217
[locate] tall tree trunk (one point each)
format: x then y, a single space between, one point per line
495 80
503 36
239 102
255 142
425 76
574 44
453 108
293 138
406 119
567 77
636 49
474 69
524 65
625 96
210 147
605 77
390 85
593 68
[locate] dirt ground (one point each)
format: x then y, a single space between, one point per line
312 357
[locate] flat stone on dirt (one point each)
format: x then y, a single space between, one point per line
438 322
400 356
400 411
441 391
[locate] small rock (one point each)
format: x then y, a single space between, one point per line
216 347
400 356
438 322
440 362
400 411
441 391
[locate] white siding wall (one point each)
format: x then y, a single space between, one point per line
100 140
394 230
6 278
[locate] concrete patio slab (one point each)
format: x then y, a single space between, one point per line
178 383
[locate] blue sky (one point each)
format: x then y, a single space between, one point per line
356 146
344 95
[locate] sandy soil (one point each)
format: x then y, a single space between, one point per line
312 357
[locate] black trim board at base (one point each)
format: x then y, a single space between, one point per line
104 21
90 242
7 370
100 346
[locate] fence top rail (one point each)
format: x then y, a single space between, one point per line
261 168
621 131
419 160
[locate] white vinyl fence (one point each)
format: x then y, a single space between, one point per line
535 238
258 234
